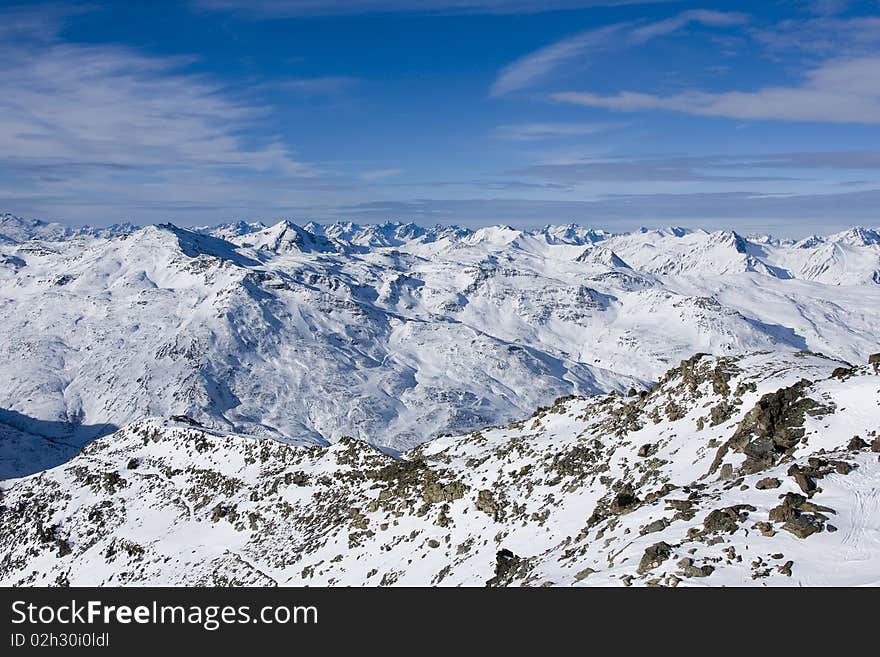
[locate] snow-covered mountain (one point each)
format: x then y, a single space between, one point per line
392 334
735 470
17 229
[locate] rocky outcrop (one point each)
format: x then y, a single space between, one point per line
587 492
772 429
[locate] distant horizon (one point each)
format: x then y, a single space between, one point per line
302 223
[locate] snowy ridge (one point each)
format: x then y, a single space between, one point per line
748 470
392 333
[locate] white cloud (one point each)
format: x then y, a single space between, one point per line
538 65
531 68
824 35
839 91
64 103
685 18
97 126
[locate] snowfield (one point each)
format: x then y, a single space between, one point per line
344 404
392 334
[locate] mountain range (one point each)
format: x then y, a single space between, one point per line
347 404
391 333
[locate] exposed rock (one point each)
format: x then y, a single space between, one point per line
487 504
841 372
785 569
765 528
727 519
771 429
656 526
583 574
654 556
802 478
625 501
768 483
856 443
690 570
802 526
508 567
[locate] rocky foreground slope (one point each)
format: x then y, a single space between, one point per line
745 470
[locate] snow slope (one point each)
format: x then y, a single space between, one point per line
758 469
391 333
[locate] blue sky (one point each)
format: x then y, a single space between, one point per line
751 115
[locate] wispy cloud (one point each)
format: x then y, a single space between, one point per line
822 35
743 211
298 8
331 86
379 174
535 67
674 24
69 103
839 91
744 168
108 124
539 131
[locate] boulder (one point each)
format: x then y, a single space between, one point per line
654 556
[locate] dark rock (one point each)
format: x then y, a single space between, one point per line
771 429
802 479
856 443
785 569
765 528
487 504
725 520
767 483
802 526
782 513
690 570
656 526
625 501
508 566
654 556
583 574
186 419
875 444
874 359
